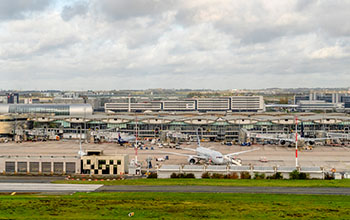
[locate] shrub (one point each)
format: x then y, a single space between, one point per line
245 175
205 175
276 176
152 176
181 175
217 176
303 176
296 175
174 175
258 176
232 176
328 176
189 175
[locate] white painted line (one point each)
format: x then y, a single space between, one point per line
48 187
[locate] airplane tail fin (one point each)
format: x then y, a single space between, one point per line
119 138
302 129
198 140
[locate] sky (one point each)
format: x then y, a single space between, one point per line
192 44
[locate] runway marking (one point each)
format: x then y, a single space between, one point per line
228 189
47 187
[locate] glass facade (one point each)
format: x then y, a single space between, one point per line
55 109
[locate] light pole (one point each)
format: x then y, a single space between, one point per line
296 141
85 134
136 136
80 152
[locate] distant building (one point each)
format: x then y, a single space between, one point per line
247 103
72 110
214 104
319 105
179 105
332 97
12 98
234 103
298 98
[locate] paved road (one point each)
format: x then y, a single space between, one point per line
225 189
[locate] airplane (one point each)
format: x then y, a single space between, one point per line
211 156
125 139
160 159
291 139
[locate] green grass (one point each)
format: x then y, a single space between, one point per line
174 206
221 182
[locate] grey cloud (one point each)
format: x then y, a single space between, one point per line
173 44
262 35
15 9
304 4
25 52
124 9
79 8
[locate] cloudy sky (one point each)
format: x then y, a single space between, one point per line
138 44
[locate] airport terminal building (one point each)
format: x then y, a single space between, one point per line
77 120
212 126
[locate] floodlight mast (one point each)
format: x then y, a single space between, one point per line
136 144
296 142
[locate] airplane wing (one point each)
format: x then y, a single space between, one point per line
276 139
241 152
338 135
320 139
185 155
190 149
129 138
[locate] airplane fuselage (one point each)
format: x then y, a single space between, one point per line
213 156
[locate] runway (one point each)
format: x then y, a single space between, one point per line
64 188
30 179
47 187
227 189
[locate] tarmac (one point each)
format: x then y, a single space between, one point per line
47 187
30 179
228 189
71 188
321 156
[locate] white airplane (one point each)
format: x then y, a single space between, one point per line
125 139
211 156
291 139
160 159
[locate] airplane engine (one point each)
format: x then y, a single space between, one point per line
282 142
192 160
311 142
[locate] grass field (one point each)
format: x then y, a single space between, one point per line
222 182
174 206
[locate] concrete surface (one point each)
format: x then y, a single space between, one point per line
321 156
47 187
228 189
